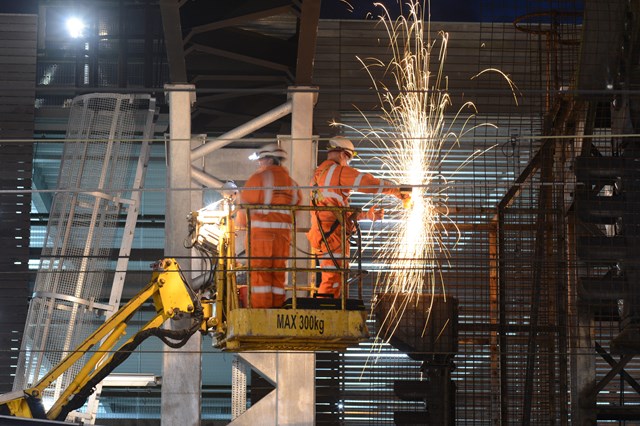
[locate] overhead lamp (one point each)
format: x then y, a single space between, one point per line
76 27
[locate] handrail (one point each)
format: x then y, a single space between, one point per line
343 212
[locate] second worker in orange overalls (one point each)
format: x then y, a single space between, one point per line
270 236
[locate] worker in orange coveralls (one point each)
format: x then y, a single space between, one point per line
270 236
332 173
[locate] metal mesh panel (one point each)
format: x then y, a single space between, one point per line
372 370
547 301
505 265
530 274
95 171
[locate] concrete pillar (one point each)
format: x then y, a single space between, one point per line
296 372
181 377
292 402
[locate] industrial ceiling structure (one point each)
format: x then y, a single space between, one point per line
242 56
538 232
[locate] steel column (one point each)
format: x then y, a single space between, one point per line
181 399
170 11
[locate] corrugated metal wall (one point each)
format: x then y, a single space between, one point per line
17 92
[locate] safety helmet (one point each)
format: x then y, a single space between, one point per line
271 150
340 143
229 189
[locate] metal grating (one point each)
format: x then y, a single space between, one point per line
370 371
94 174
17 92
506 270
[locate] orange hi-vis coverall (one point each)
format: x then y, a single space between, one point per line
270 236
327 177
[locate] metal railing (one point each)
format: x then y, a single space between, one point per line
345 215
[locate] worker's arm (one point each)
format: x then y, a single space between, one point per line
367 183
241 218
374 213
251 194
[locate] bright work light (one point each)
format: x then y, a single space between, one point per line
75 27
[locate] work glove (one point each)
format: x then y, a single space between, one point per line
372 214
405 197
407 202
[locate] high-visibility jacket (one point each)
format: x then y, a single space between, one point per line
327 178
273 186
270 233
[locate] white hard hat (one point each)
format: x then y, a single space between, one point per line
341 143
271 150
229 189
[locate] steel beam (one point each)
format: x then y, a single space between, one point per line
205 179
242 131
237 20
170 11
307 41
238 57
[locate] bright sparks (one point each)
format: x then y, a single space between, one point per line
418 143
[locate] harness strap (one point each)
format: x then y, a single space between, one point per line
331 230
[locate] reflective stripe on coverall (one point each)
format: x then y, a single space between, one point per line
327 177
270 233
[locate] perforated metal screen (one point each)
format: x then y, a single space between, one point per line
95 170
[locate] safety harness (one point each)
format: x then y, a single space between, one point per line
315 196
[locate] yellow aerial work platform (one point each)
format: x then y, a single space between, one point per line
212 307
303 323
323 325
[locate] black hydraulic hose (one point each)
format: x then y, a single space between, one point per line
359 245
324 237
326 243
182 336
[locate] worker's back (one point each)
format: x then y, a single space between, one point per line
271 186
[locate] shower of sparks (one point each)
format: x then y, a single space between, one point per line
420 140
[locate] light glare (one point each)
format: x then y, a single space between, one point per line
75 27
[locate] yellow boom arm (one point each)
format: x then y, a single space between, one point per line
173 298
